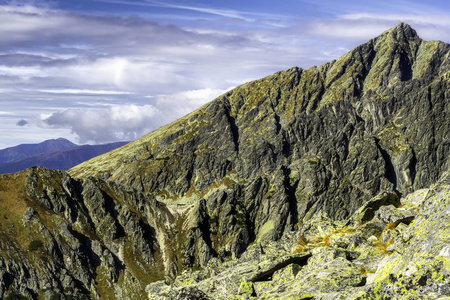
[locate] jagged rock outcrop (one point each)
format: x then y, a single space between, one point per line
77 238
335 262
319 160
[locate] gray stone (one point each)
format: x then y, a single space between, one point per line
388 236
391 214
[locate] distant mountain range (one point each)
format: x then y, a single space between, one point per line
27 150
53 154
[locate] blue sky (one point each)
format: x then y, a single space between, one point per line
105 70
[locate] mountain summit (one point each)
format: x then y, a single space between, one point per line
402 31
26 150
301 171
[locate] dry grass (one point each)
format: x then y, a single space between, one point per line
302 241
301 245
390 226
383 247
362 270
305 243
12 202
326 241
344 230
299 249
312 242
13 206
315 240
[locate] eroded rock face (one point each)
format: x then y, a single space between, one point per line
338 145
422 265
78 238
328 261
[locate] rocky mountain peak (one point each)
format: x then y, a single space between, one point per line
402 31
271 125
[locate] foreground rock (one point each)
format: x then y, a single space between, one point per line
342 263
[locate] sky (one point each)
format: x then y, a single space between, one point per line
100 71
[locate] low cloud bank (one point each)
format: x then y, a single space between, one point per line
127 122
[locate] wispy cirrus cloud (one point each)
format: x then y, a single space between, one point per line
361 26
84 92
249 16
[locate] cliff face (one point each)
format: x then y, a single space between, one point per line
266 159
77 238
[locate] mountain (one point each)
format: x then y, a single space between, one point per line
62 159
26 150
325 183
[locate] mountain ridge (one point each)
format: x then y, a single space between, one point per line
317 178
62 159
25 150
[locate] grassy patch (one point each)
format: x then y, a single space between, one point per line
382 247
301 245
389 226
35 245
363 270
15 296
344 230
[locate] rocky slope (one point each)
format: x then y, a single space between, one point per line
400 253
296 180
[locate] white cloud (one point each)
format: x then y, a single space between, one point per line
62 51
98 125
248 16
22 71
427 19
127 122
180 104
12 135
83 92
